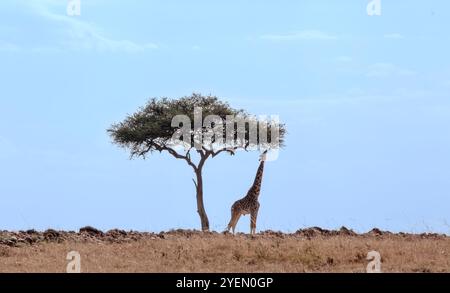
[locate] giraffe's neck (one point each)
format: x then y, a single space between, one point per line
256 187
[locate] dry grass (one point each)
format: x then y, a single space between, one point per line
226 253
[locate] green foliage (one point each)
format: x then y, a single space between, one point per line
150 128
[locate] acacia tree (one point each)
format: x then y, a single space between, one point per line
155 127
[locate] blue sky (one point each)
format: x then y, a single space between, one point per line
365 100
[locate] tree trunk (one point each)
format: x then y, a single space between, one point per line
200 206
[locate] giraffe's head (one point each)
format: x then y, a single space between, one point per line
263 156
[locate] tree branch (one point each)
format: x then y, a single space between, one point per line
231 151
178 156
204 156
141 153
155 145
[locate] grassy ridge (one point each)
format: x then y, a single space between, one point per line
307 250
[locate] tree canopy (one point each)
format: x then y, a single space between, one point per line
151 127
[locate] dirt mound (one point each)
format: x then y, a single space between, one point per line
317 232
432 236
53 235
91 231
93 235
276 234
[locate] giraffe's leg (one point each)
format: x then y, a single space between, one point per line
234 218
253 218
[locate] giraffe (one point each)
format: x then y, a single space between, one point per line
249 204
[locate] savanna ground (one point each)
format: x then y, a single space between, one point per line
307 250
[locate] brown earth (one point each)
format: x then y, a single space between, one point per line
307 250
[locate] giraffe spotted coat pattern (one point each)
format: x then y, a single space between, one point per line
249 204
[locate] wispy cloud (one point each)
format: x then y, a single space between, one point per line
388 70
396 36
76 34
300 35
